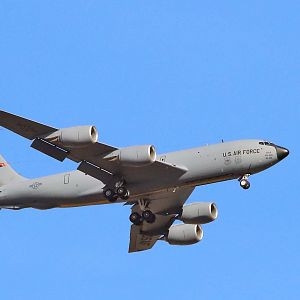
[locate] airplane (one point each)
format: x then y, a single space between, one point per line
155 185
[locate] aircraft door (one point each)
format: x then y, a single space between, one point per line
67 179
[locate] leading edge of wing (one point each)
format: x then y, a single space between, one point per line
24 127
36 131
90 155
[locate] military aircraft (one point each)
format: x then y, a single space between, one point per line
155 185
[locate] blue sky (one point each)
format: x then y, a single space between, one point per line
176 74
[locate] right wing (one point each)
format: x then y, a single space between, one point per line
166 206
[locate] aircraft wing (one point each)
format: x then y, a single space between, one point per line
26 128
166 206
90 157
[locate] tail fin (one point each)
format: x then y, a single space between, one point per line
7 173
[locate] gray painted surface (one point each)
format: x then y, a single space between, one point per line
163 185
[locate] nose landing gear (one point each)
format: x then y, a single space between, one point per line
244 182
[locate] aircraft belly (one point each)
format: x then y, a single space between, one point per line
54 191
83 203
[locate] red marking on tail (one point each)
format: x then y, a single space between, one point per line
2 165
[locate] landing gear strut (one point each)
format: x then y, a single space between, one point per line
244 182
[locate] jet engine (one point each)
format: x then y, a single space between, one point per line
184 234
135 156
75 137
199 213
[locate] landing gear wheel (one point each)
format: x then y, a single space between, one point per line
121 191
148 216
245 184
135 218
110 195
126 197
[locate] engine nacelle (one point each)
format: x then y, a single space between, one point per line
184 234
199 213
135 156
75 137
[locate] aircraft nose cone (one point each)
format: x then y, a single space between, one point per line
282 152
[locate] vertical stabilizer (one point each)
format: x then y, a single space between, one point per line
7 173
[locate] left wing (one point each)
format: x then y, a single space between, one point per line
166 206
91 157
24 127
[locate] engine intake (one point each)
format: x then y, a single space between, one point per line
184 234
75 137
199 213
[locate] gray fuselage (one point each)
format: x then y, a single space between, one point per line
208 164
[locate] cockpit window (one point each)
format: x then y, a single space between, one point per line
266 143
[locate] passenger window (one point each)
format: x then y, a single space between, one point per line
261 143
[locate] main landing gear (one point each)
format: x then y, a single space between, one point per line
136 218
119 191
244 182
147 215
